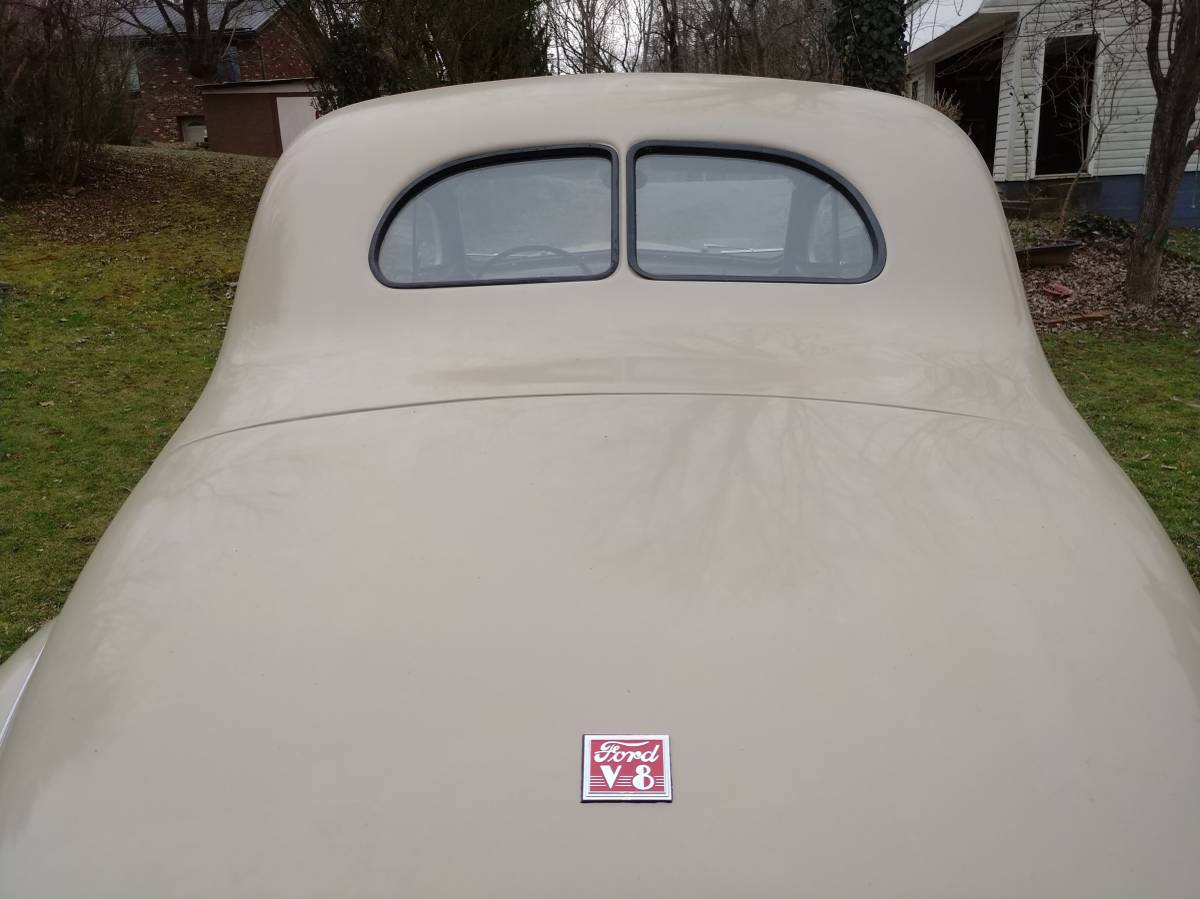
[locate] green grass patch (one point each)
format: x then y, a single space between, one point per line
1185 243
1140 393
105 342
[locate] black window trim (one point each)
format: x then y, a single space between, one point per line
765 154
486 160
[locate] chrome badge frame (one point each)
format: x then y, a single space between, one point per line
626 768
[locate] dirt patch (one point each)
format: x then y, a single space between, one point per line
1088 293
138 190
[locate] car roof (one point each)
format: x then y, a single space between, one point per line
313 332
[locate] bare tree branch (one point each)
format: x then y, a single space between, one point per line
1153 54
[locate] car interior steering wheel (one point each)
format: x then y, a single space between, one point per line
539 247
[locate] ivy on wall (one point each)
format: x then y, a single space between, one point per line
868 36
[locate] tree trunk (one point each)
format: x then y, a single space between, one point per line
672 61
1165 167
756 41
1171 146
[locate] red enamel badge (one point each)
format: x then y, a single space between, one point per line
626 768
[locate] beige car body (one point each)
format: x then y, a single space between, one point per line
911 632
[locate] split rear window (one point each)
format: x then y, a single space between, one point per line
521 217
695 212
727 214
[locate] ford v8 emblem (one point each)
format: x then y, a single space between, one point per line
626 768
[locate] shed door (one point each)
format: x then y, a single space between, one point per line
295 114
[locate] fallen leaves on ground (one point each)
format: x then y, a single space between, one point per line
1089 292
135 191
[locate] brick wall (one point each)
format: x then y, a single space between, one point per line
169 92
280 52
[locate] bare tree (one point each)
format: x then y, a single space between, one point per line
774 38
598 35
671 23
63 89
361 49
1173 55
204 29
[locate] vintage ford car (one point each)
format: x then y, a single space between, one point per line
700 416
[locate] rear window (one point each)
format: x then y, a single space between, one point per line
545 215
703 213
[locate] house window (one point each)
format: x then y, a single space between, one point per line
1068 80
132 82
914 89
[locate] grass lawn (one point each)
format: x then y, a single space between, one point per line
115 309
1140 392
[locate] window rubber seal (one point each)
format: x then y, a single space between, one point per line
485 160
764 154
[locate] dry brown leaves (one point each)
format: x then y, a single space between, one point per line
1095 278
136 191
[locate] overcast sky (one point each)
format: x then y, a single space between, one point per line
935 17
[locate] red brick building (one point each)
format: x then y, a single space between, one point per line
169 105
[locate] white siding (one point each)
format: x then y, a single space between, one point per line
918 92
1124 102
1125 143
1024 79
923 76
1007 107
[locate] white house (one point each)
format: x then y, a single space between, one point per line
1048 89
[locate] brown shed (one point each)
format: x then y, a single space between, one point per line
258 118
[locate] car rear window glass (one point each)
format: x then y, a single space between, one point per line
752 217
533 216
